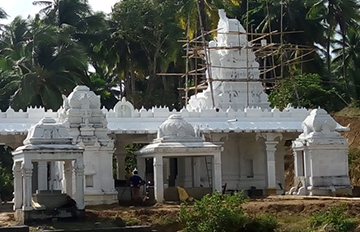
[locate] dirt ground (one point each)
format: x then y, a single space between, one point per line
163 216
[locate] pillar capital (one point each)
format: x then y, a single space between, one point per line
269 137
27 168
217 138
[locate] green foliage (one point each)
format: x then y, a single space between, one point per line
305 90
219 213
6 176
334 219
354 165
130 159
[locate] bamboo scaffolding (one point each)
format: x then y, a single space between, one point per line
197 48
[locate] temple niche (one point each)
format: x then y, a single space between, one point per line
231 58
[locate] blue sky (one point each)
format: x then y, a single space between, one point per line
25 7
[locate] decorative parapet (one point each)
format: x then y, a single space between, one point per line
124 109
30 113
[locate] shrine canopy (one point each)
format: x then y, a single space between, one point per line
47 141
178 138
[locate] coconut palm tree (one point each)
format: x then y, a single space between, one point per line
334 13
43 65
348 57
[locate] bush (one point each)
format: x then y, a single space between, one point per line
263 223
218 212
6 176
334 220
306 90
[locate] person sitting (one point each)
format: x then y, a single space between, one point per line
135 183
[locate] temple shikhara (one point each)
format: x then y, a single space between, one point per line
227 138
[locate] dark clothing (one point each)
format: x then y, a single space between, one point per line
135 181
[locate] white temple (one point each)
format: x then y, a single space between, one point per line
250 138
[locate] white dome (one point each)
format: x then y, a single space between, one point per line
47 131
83 98
176 127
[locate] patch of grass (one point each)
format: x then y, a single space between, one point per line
351 111
218 213
132 222
334 219
164 220
293 223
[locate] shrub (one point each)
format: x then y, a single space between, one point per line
263 223
218 212
334 219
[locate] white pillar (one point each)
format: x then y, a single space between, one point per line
68 177
27 169
270 166
158 178
42 175
217 180
196 171
298 163
79 182
18 188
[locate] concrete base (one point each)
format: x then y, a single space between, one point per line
50 199
101 198
271 192
332 191
25 217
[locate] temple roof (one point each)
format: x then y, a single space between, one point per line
125 120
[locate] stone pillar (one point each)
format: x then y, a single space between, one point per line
68 168
299 167
27 168
158 178
42 175
217 180
79 182
270 167
18 186
196 171
271 140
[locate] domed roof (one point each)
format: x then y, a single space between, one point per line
176 127
47 131
83 98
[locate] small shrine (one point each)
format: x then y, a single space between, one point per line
176 138
321 158
47 143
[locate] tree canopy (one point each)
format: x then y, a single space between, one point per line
67 43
